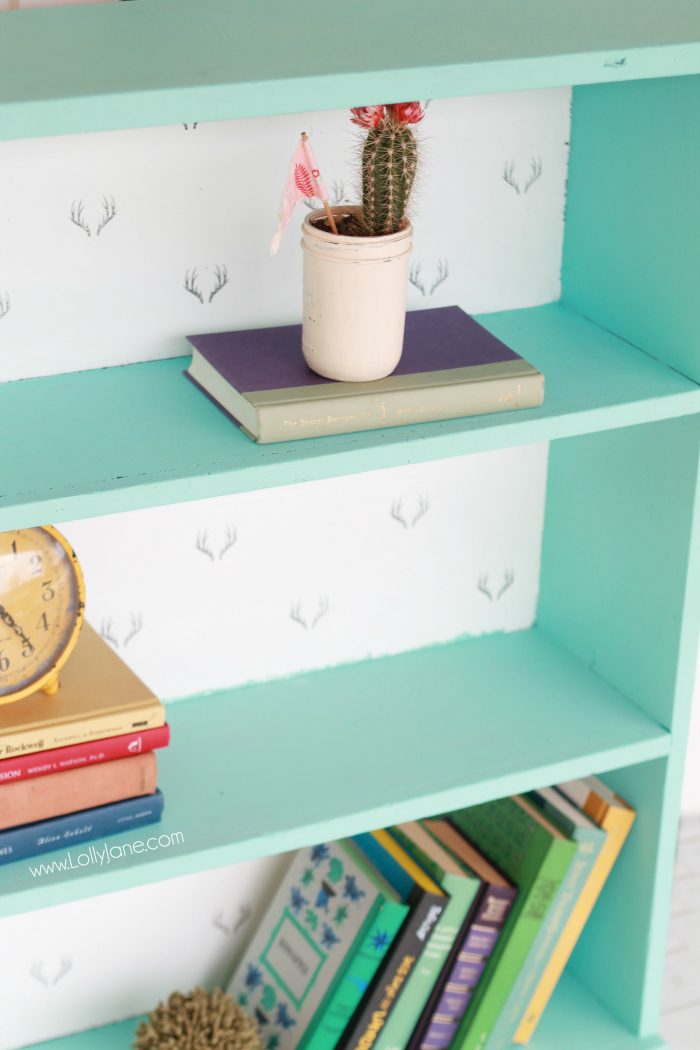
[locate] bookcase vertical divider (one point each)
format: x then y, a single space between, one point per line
620 564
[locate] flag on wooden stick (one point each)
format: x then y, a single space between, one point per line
304 180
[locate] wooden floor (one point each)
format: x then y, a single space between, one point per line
681 1003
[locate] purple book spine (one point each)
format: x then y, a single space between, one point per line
463 971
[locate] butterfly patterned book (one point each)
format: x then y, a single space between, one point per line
328 897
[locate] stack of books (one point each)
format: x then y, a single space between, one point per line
451 366
447 932
80 765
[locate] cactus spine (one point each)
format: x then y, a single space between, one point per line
389 160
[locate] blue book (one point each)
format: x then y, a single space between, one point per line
31 840
386 864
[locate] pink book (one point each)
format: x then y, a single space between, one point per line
43 797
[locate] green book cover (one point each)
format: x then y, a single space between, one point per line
535 855
589 840
354 977
313 921
461 886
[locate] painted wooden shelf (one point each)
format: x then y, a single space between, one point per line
141 435
166 61
574 1020
521 712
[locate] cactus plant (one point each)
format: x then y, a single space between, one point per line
389 161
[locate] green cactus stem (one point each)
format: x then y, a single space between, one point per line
389 161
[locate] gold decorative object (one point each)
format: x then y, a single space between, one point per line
198 1021
42 602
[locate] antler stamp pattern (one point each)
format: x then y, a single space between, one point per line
37 972
232 928
415 277
204 546
221 276
443 273
337 196
135 627
109 633
535 174
191 283
309 624
77 215
109 210
230 541
492 593
409 521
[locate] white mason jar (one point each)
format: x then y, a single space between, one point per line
354 300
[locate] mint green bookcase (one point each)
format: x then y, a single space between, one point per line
603 682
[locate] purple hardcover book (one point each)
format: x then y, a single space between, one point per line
473 945
451 366
462 970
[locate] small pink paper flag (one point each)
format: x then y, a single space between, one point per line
304 180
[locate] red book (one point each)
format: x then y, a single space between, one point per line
43 797
74 756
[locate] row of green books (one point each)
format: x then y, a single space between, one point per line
444 933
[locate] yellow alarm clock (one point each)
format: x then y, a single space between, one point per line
42 603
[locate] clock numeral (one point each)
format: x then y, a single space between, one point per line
43 622
27 651
35 562
14 548
47 591
4 663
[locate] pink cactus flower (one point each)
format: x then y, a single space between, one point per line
407 112
368 116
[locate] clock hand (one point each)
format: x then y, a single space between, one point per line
10 622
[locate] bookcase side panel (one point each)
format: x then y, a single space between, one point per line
632 245
620 589
612 957
645 872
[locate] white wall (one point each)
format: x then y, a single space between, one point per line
84 964
380 562
207 196
319 573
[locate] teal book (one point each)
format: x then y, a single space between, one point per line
589 840
319 910
535 855
462 888
353 979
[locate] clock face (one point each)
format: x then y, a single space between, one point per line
40 605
